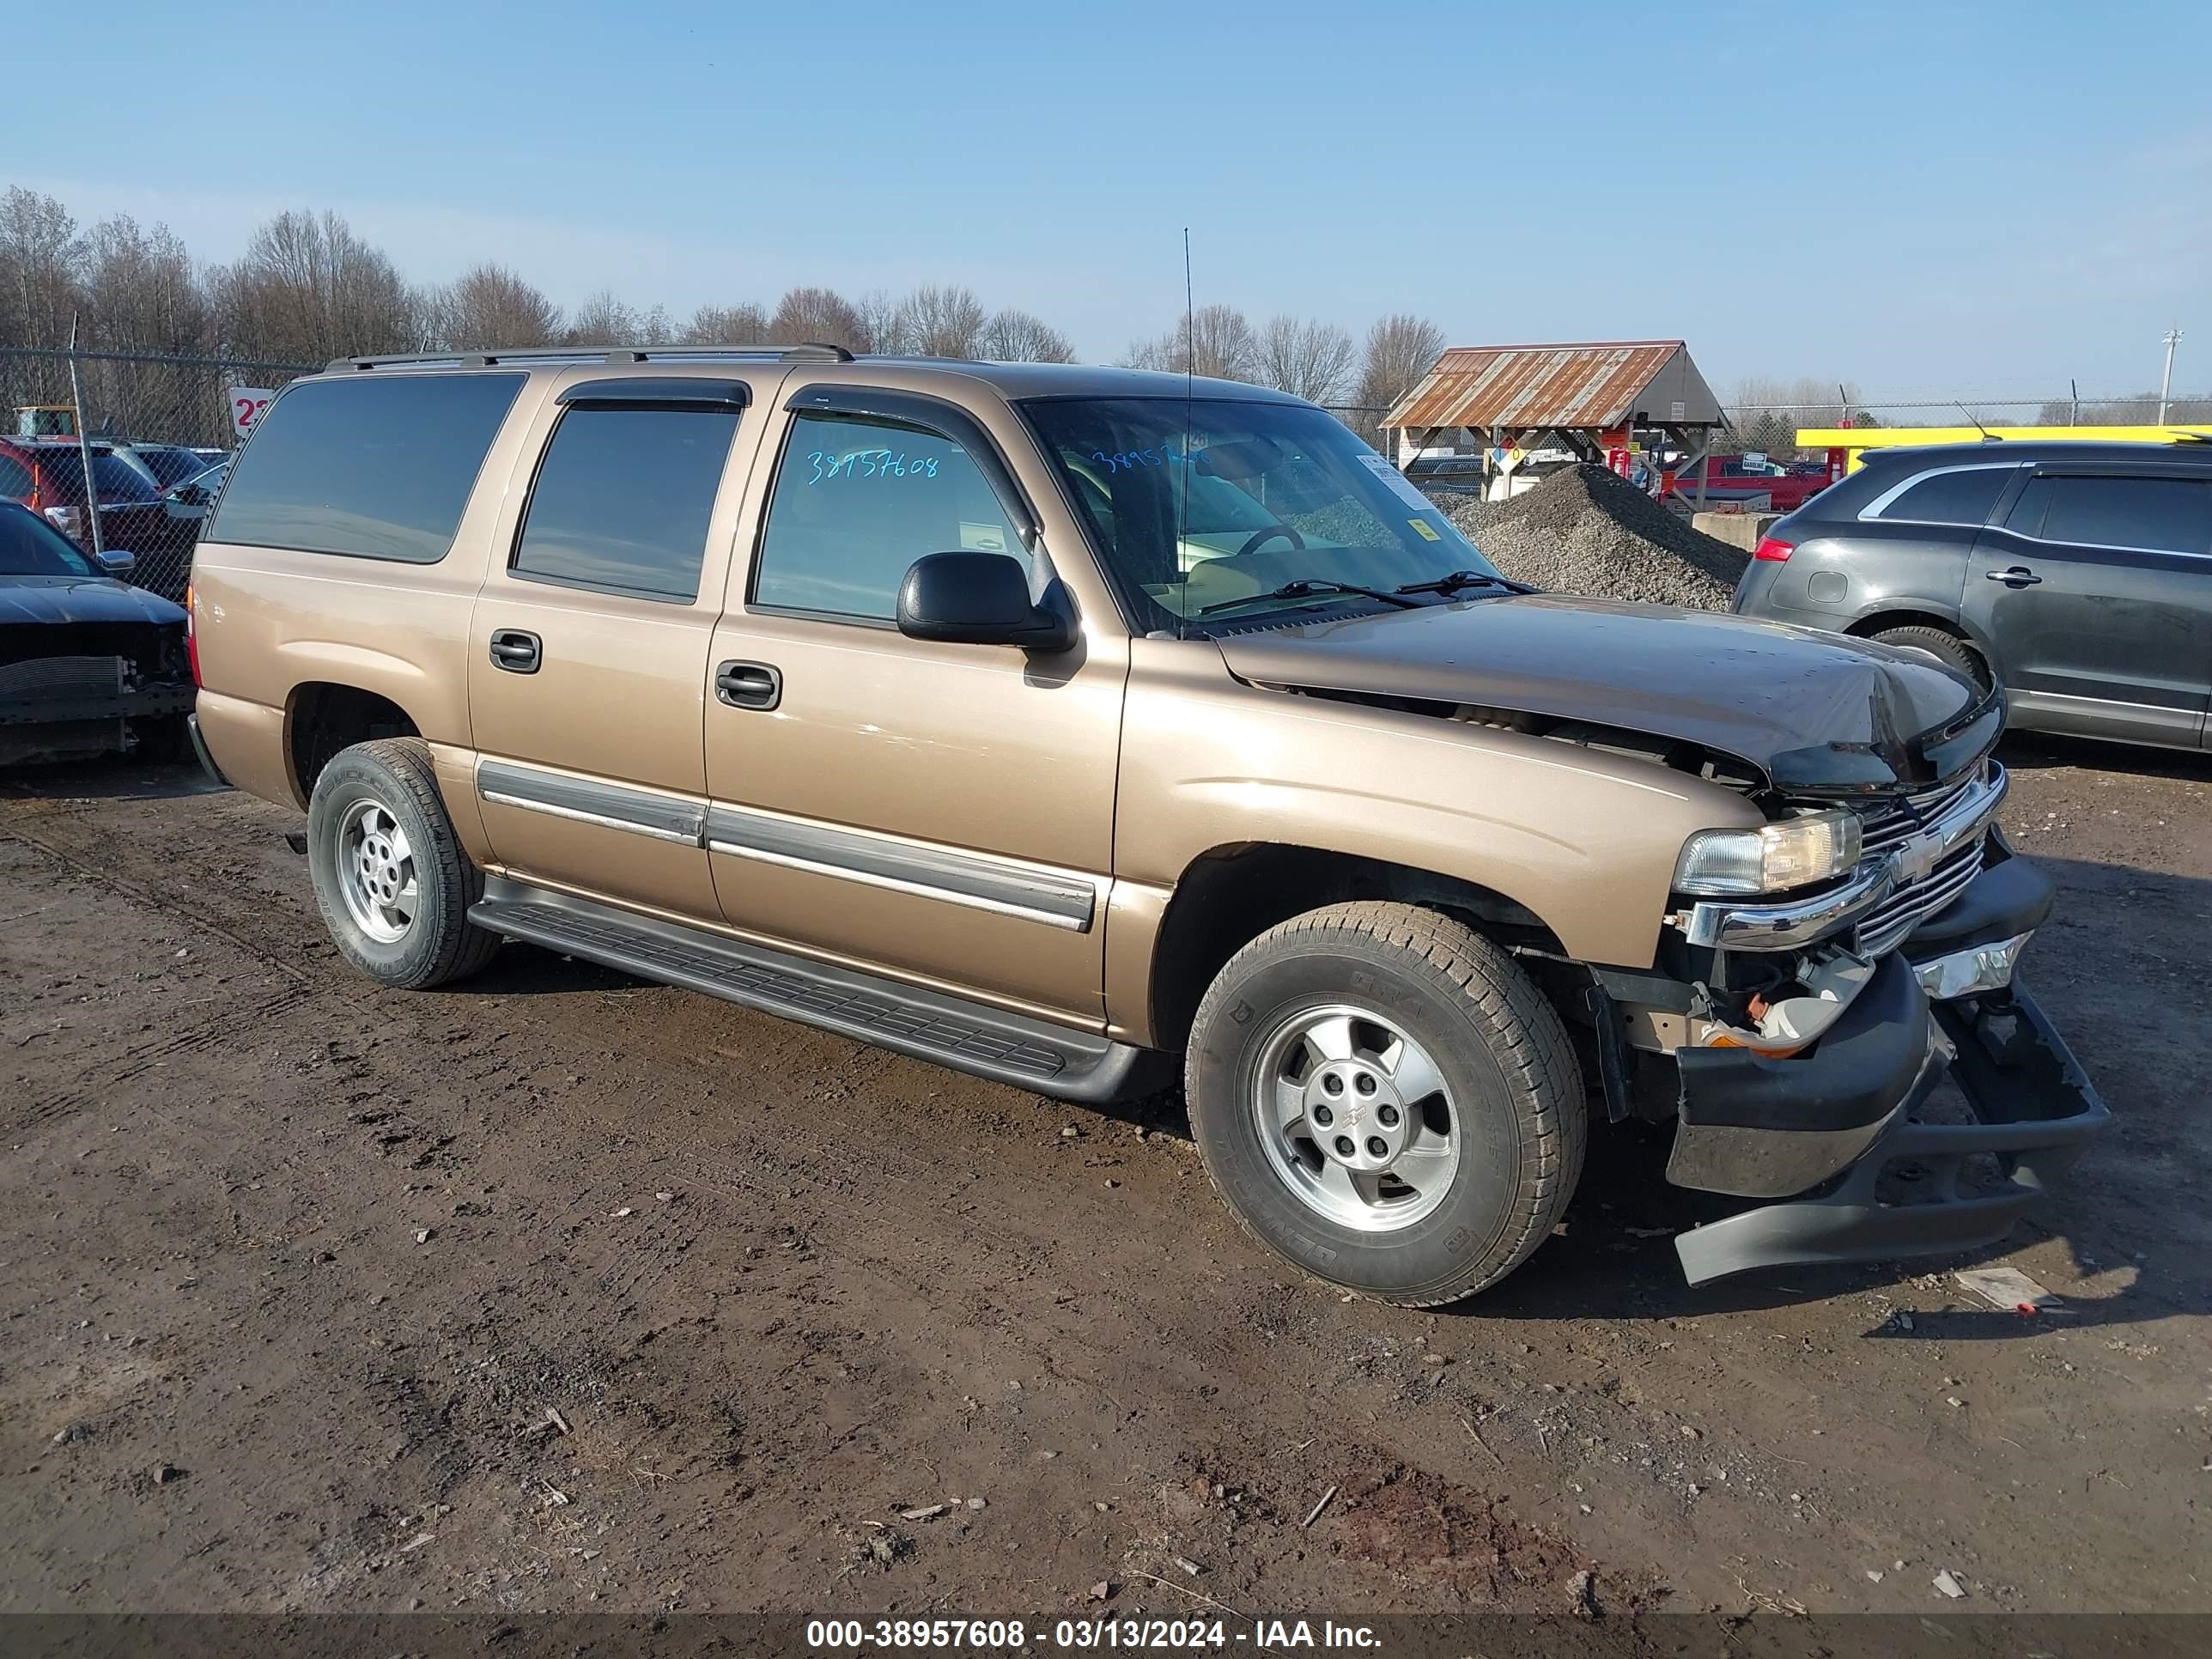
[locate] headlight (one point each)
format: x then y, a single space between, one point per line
1795 852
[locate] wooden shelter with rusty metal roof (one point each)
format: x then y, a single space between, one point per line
1588 398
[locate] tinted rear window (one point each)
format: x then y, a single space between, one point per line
2172 515
1848 495
1960 497
377 468
172 467
118 481
623 499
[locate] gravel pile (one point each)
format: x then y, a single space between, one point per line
1584 530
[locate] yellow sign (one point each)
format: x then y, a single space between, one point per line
1422 529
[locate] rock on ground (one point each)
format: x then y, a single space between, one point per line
1584 530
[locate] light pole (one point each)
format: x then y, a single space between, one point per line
2166 381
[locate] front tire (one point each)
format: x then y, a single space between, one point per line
391 878
1382 1096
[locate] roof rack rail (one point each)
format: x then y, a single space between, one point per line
805 351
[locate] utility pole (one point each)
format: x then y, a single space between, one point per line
2166 381
84 450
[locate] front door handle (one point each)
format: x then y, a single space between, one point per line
515 650
2019 576
748 684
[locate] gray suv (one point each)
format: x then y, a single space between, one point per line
2077 575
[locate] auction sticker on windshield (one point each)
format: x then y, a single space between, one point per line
1390 475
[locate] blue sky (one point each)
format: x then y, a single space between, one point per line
1932 200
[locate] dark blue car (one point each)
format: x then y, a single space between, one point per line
88 665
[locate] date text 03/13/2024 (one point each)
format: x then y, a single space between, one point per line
836 1635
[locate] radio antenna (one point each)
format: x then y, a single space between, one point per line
1190 406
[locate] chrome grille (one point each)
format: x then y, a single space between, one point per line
1884 927
1889 823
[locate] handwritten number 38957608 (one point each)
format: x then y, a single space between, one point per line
869 464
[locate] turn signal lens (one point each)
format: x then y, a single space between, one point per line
1773 548
1795 852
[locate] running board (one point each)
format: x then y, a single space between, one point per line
968 1036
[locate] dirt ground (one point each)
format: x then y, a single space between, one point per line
558 1291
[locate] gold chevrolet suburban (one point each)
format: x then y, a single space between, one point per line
1052 723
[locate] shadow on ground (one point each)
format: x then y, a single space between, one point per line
117 777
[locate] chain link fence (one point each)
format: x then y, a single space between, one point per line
156 428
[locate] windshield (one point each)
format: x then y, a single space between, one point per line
119 480
1267 496
29 546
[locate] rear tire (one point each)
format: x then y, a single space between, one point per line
391 878
1954 653
1430 1158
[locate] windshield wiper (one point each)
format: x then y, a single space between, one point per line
1459 578
1300 589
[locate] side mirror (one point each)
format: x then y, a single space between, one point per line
114 561
979 598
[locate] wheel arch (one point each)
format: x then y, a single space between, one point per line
1881 620
1231 893
322 717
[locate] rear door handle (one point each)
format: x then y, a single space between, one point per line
748 684
2019 576
515 650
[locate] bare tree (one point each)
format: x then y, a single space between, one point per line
947 322
1303 356
887 321
1214 340
140 291
727 326
492 306
1157 353
39 256
604 320
1401 348
309 289
1016 337
821 314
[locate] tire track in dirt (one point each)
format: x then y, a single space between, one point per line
854 1241
1003 1293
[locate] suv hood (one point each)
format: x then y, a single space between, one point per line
1812 711
81 599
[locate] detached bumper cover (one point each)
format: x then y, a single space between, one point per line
1856 1110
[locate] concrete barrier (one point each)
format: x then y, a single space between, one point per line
1740 530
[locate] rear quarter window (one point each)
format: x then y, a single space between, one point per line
1844 498
1960 496
376 468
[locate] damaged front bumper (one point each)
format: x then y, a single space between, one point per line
1823 1130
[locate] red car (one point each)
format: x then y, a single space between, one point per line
48 476
1733 477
